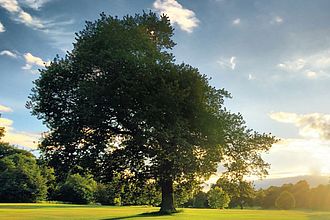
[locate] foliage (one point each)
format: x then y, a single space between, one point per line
285 201
217 198
21 179
185 190
78 189
129 191
119 102
137 192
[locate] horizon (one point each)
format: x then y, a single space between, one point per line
272 58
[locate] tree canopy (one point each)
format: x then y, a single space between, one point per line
119 102
21 178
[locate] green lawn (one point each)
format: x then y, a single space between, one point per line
72 212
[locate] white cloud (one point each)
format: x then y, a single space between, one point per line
251 77
33 60
293 157
311 74
27 19
312 66
228 62
8 53
2 28
184 18
4 108
307 155
314 125
34 4
20 15
57 31
27 66
20 138
237 21
10 5
277 20
293 65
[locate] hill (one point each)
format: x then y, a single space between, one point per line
312 180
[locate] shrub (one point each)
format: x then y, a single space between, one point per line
117 201
78 189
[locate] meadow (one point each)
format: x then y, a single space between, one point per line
75 212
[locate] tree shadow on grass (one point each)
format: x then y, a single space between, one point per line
142 215
38 206
321 216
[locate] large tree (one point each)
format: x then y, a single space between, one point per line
119 102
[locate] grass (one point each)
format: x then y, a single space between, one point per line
74 212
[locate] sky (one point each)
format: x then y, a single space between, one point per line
272 56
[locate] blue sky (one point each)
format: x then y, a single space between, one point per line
273 56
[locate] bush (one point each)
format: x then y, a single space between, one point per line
217 198
21 179
78 189
200 200
285 201
117 201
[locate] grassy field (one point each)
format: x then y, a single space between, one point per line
73 212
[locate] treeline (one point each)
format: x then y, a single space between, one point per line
288 196
294 196
25 178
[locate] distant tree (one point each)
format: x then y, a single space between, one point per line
270 196
285 200
21 179
119 102
78 189
241 192
259 198
320 197
301 192
217 198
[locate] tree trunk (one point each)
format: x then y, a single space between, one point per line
167 205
